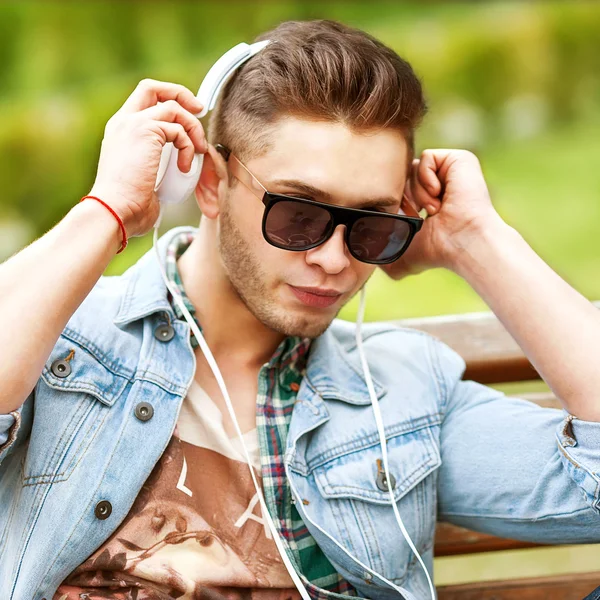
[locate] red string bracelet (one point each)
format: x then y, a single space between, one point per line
124 242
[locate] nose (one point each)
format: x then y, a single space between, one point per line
332 256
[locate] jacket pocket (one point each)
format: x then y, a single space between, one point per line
411 456
73 397
354 488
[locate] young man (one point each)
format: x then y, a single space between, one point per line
121 474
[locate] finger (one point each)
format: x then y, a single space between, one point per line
419 194
172 112
150 91
176 133
427 174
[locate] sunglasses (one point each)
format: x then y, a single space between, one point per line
299 224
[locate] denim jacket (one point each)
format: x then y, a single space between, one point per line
459 451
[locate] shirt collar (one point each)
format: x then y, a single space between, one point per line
335 372
176 247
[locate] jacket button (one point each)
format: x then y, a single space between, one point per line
382 481
103 509
144 411
61 368
164 333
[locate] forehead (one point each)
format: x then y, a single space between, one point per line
330 156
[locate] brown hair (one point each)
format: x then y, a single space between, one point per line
321 70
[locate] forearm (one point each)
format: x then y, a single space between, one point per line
557 328
40 289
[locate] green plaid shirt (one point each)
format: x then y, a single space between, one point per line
279 381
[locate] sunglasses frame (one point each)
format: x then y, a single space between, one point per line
340 215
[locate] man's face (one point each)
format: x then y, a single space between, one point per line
321 161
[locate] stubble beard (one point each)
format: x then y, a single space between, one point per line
247 278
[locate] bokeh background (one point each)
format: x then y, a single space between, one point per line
517 83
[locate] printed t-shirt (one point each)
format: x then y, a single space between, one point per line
195 529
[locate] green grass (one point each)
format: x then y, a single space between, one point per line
513 564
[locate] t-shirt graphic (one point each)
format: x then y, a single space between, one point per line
196 528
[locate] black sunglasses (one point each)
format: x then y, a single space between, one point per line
300 224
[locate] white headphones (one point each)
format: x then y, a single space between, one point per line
172 185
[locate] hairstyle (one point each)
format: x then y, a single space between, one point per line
318 70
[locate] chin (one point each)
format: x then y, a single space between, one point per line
302 324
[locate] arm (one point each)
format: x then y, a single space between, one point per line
535 471
44 284
555 326
511 468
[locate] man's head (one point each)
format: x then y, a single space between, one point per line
324 112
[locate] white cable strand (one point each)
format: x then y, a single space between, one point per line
217 373
381 431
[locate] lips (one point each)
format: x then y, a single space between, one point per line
317 297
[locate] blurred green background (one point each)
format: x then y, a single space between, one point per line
517 83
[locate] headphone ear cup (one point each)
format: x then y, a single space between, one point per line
173 186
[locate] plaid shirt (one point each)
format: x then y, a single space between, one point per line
279 380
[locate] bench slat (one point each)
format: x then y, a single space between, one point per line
491 353
562 587
451 540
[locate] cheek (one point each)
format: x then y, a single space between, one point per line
246 214
248 220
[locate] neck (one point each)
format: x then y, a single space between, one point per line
232 332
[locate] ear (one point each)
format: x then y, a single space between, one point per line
213 182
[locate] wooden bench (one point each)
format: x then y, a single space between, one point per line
493 357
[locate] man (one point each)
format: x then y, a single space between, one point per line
121 473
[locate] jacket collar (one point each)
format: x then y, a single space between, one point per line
333 372
146 292
330 370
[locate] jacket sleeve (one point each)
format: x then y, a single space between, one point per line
512 468
15 426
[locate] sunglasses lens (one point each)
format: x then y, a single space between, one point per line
296 225
378 238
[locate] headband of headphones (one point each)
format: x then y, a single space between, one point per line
220 72
173 186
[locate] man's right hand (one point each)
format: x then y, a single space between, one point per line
155 113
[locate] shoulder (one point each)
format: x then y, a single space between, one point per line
393 350
94 338
95 316
400 342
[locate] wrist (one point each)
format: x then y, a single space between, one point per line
476 249
104 225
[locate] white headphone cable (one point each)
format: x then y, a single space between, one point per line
381 431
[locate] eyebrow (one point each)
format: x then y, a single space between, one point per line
322 194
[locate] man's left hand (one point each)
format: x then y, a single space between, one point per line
450 185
